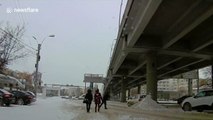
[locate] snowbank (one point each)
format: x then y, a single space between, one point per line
148 104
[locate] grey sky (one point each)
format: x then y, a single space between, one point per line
84 30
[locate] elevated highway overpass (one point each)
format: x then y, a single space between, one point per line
158 39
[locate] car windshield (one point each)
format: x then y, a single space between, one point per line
209 93
31 93
6 92
201 94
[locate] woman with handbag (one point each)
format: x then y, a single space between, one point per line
88 99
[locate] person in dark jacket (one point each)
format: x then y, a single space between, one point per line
89 98
98 99
105 98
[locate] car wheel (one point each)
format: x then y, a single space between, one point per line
20 102
7 104
200 110
187 107
1 103
212 106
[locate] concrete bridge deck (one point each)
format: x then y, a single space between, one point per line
158 39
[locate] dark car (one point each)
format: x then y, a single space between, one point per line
5 97
21 97
181 99
141 97
33 96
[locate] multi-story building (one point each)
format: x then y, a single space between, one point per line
172 88
175 84
61 90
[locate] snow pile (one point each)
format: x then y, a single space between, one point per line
148 104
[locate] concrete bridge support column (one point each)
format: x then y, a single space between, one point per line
118 96
139 91
123 90
198 85
44 92
111 92
212 76
151 75
59 92
85 88
198 82
190 87
128 93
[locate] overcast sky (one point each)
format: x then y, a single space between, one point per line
84 32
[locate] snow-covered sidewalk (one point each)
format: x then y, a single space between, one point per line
56 108
42 109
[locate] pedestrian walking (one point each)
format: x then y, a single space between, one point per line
88 99
98 99
105 98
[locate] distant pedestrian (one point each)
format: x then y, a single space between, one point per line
98 99
105 98
88 98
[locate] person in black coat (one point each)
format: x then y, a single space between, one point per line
89 98
105 98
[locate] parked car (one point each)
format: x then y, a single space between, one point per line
74 98
5 97
66 97
141 97
33 96
81 97
21 97
202 101
181 99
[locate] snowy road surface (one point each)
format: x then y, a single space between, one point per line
56 108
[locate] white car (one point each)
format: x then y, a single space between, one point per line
202 101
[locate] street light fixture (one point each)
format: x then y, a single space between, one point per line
37 61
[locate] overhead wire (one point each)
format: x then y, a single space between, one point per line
17 5
17 13
113 42
20 42
20 14
119 21
23 16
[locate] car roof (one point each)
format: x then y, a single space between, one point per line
30 93
207 90
20 91
5 91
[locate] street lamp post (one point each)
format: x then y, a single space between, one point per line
37 62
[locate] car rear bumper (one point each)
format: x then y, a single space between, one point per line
7 100
33 100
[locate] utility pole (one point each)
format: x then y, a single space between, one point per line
37 61
212 76
36 66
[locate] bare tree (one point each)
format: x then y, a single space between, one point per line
10 44
207 72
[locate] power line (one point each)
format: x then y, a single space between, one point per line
20 14
21 18
119 20
20 42
16 39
